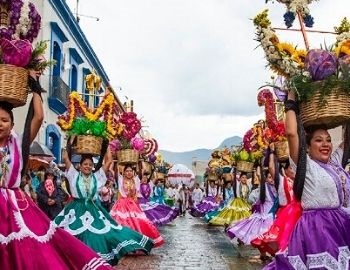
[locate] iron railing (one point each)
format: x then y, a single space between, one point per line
59 90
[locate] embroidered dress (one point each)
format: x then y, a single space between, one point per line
28 239
208 203
159 214
320 239
127 212
86 219
277 237
229 196
259 222
236 210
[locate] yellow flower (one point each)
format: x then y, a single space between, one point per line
286 48
299 57
343 48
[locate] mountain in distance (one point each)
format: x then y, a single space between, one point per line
198 155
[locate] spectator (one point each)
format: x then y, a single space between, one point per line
50 196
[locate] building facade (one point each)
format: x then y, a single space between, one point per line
75 58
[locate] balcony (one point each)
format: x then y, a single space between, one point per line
58 95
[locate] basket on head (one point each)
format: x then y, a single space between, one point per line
228 177
88 144
127 156
282 150
146 167
245 166
159 176
212 177
13 84
334 112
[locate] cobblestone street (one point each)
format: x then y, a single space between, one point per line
193 245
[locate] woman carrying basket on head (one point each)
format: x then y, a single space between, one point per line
25 231
85 218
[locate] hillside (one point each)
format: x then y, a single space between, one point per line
196 155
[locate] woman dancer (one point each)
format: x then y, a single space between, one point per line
87 219
209 203
320 239
127 212
28 239
238 208
159 214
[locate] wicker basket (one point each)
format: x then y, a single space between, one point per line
146 167
88 144
282 150
228 177
13 84
332 114
245 166
127 156
212 177
159 176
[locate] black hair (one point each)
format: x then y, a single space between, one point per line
49 172
300 174
85 157
7 107
262 195
346 155
26 136
129 165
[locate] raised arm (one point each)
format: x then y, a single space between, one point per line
108 159
66 160
272 167
38 115
291 126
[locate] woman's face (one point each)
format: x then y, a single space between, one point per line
144 179
320 147
86 166
269 179
289 172
243 179
6 124
128 173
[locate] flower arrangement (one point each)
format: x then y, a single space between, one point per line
293 8
316 71
21 21
126 136
81 120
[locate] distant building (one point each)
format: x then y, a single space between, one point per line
198 168
75 59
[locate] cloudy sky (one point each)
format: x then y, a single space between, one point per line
191 66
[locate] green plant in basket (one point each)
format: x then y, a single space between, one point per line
84 126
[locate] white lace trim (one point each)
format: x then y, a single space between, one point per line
26 232
323 260
95 263
132 214
109 256
87 220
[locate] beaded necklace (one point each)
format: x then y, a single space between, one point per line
87 183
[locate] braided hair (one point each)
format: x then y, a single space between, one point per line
346 155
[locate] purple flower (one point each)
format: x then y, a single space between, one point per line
321 64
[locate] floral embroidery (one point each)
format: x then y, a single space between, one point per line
323 260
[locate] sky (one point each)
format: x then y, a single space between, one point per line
192 67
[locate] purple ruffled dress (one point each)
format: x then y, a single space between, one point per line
209 203
159 214
321 238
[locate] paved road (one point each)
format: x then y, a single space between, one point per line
193 245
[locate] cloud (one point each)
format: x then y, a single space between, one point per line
191 67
